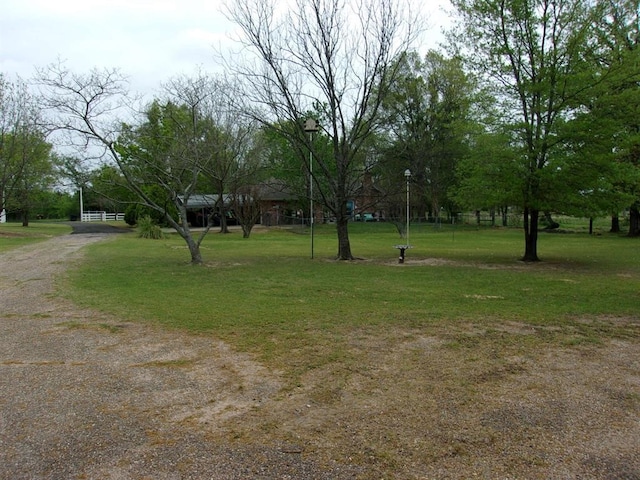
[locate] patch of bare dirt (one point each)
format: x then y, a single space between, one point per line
426 407
83 395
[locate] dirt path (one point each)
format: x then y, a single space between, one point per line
86 396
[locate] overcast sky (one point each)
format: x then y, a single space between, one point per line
148 40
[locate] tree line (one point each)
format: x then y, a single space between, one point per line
532 107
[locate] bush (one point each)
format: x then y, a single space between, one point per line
131 214
148 229
135 211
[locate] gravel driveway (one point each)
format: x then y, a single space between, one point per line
87 396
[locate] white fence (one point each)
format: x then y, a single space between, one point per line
102 217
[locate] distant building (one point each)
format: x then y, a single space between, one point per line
280 206
200 207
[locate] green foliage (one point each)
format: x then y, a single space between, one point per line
427 117
131 214
18 122
26 167
106 190
157 152
27 163
147 228
613 108
284 160
288 160
52 205
192 144
135 211
533 55
486 175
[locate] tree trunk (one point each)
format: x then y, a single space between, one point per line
185 232
634 221
551 223
615 224
224 228
194 250
531 219
344 245
25 218
222 209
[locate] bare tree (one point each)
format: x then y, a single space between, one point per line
246 207
92 110
226 139
329 57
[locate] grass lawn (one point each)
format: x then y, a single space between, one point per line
14 234
265 295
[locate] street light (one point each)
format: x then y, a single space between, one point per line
311 127
403 248
407 174
82 206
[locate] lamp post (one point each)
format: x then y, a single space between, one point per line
311 127
403 248
82 206
407 174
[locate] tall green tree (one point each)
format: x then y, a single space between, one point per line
23 149
288 165
161 158
427 117
36 175
107 190
54 203
533 52
485 175
615 107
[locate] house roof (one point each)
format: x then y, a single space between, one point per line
204 200
275 190
272 190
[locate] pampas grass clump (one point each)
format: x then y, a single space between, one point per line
148 229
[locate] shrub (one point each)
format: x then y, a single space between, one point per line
131 214
135 211
148 229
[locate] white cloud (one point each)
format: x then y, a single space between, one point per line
148 40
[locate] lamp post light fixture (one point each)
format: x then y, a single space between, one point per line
81 206
407 245
311 127
407 175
